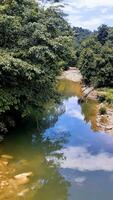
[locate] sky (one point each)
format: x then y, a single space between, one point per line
89 14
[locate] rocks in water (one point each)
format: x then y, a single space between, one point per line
12 182
5 156
23 175
3 184
5 163
109 128
23 192
23 178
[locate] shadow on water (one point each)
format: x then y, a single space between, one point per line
69 159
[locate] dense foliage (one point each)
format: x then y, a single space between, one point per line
81 34
96 58
35 44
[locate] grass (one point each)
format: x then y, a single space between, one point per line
108 94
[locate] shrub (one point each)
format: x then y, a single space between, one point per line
101 98
102 111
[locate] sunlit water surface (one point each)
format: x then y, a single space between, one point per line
69 159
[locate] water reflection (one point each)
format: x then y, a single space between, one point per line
68 159
79 158
86 110
31 150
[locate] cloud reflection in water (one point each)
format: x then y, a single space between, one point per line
80 159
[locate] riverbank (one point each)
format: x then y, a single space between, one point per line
73 74
104 122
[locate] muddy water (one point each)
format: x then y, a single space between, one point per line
69 159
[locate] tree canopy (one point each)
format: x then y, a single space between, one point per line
35 44
96 58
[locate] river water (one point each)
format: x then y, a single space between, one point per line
69 158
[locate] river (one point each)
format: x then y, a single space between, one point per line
69 158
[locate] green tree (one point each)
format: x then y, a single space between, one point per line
35 45
102 34
96 58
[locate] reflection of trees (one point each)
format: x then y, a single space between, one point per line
36 147
69 88
31 145
55 187
89 110
52 114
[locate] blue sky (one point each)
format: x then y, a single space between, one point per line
89 13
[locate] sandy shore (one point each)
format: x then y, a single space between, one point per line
73 74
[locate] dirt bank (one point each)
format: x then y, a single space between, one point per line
105 122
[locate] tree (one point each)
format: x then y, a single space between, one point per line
35 44
102 34
96 58
81 34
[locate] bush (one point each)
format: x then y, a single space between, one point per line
101 98
102 111
109 101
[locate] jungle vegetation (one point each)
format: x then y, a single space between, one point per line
95 58
35 45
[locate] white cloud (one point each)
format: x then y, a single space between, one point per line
104 10
90 24
87 13
90 3
108 16
75 10
72 108
80 159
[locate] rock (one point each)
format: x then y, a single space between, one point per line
23 178
5 163
23 175
23 192
3 184
109 127
7 157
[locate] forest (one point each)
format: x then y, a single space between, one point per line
36 44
